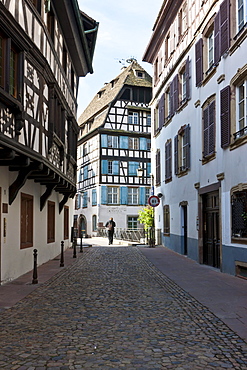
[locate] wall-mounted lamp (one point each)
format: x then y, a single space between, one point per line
139 172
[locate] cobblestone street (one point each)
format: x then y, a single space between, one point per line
113 309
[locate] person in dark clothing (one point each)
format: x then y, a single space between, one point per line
110 226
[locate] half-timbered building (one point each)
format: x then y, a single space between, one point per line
114 141
45 46
199 136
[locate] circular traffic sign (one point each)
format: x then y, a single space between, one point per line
153 201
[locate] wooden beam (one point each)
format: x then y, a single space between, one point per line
21 179
46 195
63 201
7 154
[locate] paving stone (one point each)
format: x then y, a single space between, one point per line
113 309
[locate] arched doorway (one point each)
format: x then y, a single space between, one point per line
82 226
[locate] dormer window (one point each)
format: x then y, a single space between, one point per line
140 74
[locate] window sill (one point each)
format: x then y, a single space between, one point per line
168 180
183 173
182 105
239 240
238 142
209 158
209 74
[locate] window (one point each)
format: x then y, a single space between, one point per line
133 196
168 161
26 221
112 141
133 166
37 4
239 214
112 195
157 162
85 173
13 73
51 24
148 119
50 222
209 129
84 199
132 222
94 223
182 150
210 41
66 222
184 83
166 217
147 195
94 197
109 167
167 104
167 46
64 60
84 149
134 143
78 201
133 118
242 108
241 13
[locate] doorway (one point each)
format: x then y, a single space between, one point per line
211 231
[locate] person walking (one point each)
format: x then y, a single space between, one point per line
110 226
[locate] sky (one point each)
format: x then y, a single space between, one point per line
125 28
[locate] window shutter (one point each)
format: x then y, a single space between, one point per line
211 132
171 97
170 159
225 116
176 169
175 93
104 166
103 194
115 167
85 172
104 141
187 76
142 196
124 143
217 53
187 146
199 62
143 143
148 169
94 197
205 132
123 195
161 111
224 26
158 167
168 171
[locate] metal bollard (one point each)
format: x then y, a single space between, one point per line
81 250
35 272
74 247
62 255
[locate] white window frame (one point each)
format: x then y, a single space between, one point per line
112 195
133 220
112 141
242 101
210 42
133 143
241 6
110 168
133 118
133 196
149 120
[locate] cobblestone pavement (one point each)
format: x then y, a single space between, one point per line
112 309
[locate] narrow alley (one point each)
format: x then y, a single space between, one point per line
112 309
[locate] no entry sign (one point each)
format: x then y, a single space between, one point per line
153 201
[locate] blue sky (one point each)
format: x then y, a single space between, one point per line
125 28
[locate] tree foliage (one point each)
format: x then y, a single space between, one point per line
146 216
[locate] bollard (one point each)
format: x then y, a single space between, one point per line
62 255
74 247
81 250
35 272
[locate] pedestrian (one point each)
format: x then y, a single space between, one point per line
110 226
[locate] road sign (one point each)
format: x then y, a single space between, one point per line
153 201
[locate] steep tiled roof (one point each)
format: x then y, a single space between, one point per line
97 110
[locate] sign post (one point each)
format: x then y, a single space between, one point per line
153 201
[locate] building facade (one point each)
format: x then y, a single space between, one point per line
199 133
39 74
114 141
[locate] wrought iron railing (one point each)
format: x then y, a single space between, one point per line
133 235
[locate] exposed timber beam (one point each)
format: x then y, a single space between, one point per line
46 195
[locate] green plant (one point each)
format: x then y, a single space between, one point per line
146 217
244 215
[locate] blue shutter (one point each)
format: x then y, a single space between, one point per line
103 194
115 167
133 167
142 196
143 143
148 168
94 197
85 199
104 166
124 142
123 195
85 172
104 141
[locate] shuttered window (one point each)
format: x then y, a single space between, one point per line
199 62
94 197
166 219
157 163
26 221
217 38
225 116
176 163
209 129
161 111
50 222
187 77
133 166
182 150
168 160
